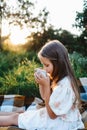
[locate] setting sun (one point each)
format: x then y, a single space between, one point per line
18 36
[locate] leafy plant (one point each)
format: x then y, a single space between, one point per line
79 64
20 79
17 72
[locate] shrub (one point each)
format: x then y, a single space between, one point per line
17 72
20 79
79 64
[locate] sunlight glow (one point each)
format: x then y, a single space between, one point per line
18 36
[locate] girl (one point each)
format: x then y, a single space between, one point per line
58 90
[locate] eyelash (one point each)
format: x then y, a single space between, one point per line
46 65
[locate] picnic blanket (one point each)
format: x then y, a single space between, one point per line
12 103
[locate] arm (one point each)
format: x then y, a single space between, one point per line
50 112
45 92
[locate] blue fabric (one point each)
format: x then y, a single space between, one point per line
83 97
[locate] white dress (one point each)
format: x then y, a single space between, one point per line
61 102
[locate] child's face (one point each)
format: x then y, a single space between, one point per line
47 65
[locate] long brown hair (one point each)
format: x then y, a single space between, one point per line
56 52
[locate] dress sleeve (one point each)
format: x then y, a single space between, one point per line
62 98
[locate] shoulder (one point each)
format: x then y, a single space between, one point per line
65 82
63 86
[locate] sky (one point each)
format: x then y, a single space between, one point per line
62 12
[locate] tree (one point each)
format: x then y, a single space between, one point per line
21 13
81 23
81 18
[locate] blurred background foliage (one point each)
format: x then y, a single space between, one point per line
18 61
17 72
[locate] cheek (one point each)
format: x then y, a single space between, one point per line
51 70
